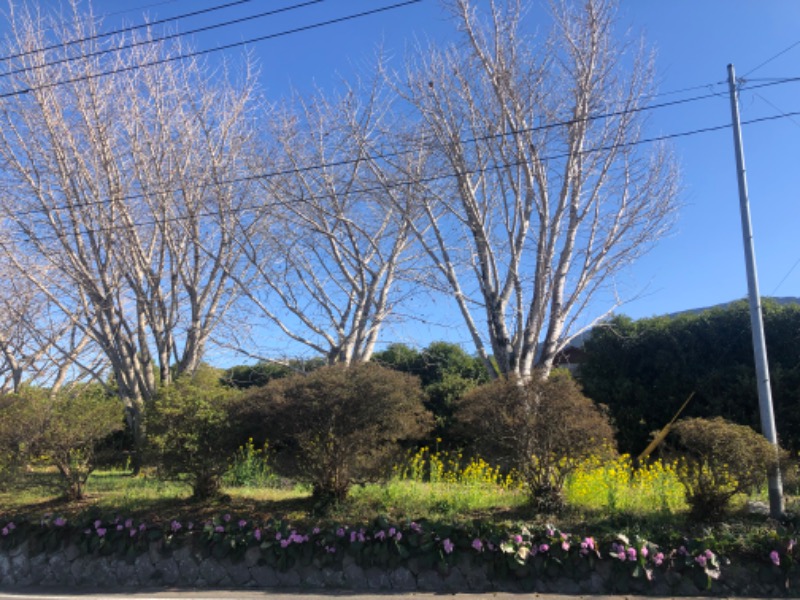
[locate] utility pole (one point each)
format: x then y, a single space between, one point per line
756 320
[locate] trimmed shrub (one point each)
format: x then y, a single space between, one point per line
720 459
340 425
543 428
190 430
64 430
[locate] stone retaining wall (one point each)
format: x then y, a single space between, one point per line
189 568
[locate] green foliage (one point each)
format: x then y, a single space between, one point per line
340 425
720 459
543 428
249 376
644 370
63 430
446 373
190 430
250 467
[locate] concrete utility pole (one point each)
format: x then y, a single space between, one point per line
756 320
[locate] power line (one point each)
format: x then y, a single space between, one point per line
145 42
210 50
770 59
124 29
384 155
769 83
384 187
785 277
780 110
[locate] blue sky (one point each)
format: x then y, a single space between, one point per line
701 262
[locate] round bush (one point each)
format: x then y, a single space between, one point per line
190 430
64 429
719 460
340 425
543 428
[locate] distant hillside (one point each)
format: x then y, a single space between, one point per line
581 339
696 311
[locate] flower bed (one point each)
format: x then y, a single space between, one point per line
411 556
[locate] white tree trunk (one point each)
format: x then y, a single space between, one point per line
548 200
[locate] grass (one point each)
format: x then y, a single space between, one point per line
602 498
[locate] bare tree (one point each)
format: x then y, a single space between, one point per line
39 345
333 242
123 174
538 191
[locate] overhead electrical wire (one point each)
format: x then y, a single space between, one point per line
384 155
156 40
770 59
377 188
127 29
178 57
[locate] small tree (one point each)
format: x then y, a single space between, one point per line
65 429
191 432
720 459
543 428
341 425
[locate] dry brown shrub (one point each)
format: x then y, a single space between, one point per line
340 425
542 428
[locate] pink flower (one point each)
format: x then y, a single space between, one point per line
644 551
448 546
477 544
701 560
5 531
257 534
175 526
632 554
59 522
565 546
315 531
133 532
97 524
392 531
550 532
285 543
791 545
120 527
588 543
398 536
709 554
352 537
621 555
415 527
775 558
518 539
142 527
242 523
682 551
219 529
381 535
278 536
658 559
101 531
544 547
